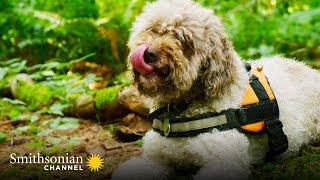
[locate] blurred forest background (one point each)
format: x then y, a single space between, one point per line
64 61
41 31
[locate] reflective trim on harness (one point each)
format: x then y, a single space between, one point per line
191 125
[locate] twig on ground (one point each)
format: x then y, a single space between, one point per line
121 146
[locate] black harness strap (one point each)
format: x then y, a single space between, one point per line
174 108
278 141
258 88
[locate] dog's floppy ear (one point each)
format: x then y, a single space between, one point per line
219 66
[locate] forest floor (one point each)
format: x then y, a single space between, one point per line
89 137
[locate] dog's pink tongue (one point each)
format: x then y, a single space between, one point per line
138 62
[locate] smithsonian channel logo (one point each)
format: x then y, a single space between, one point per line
59 163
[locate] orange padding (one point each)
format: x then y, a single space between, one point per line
255 127
264 82
250 97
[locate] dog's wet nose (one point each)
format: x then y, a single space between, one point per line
138 62
150 55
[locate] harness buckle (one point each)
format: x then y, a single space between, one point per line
278 141
241 114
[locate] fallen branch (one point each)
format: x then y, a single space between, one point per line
14 122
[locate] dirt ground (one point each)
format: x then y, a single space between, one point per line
95 139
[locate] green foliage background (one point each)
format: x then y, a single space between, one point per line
61 30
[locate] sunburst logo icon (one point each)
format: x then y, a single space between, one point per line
95 162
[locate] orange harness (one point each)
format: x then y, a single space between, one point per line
251 98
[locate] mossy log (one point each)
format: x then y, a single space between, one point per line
104 104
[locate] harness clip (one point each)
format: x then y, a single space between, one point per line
278 141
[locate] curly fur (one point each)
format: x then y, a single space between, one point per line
205 70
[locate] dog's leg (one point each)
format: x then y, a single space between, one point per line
228 158
140 168
223 170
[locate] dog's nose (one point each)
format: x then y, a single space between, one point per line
150 55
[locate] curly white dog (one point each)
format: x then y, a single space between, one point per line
180 55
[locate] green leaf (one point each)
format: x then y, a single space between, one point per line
44 132
23 129
38 144
14 102
139 142
74 141
55 123
11 61
57 109
65 124
50 65
2 137
34 118
14 113
3 72
89 79
33 128
52 150
112 127
54 140
48 73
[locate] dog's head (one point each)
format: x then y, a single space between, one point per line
178 47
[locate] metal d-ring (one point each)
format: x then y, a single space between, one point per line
166 127
166 122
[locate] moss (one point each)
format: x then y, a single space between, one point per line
36 95
306 166
71 98
106 96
